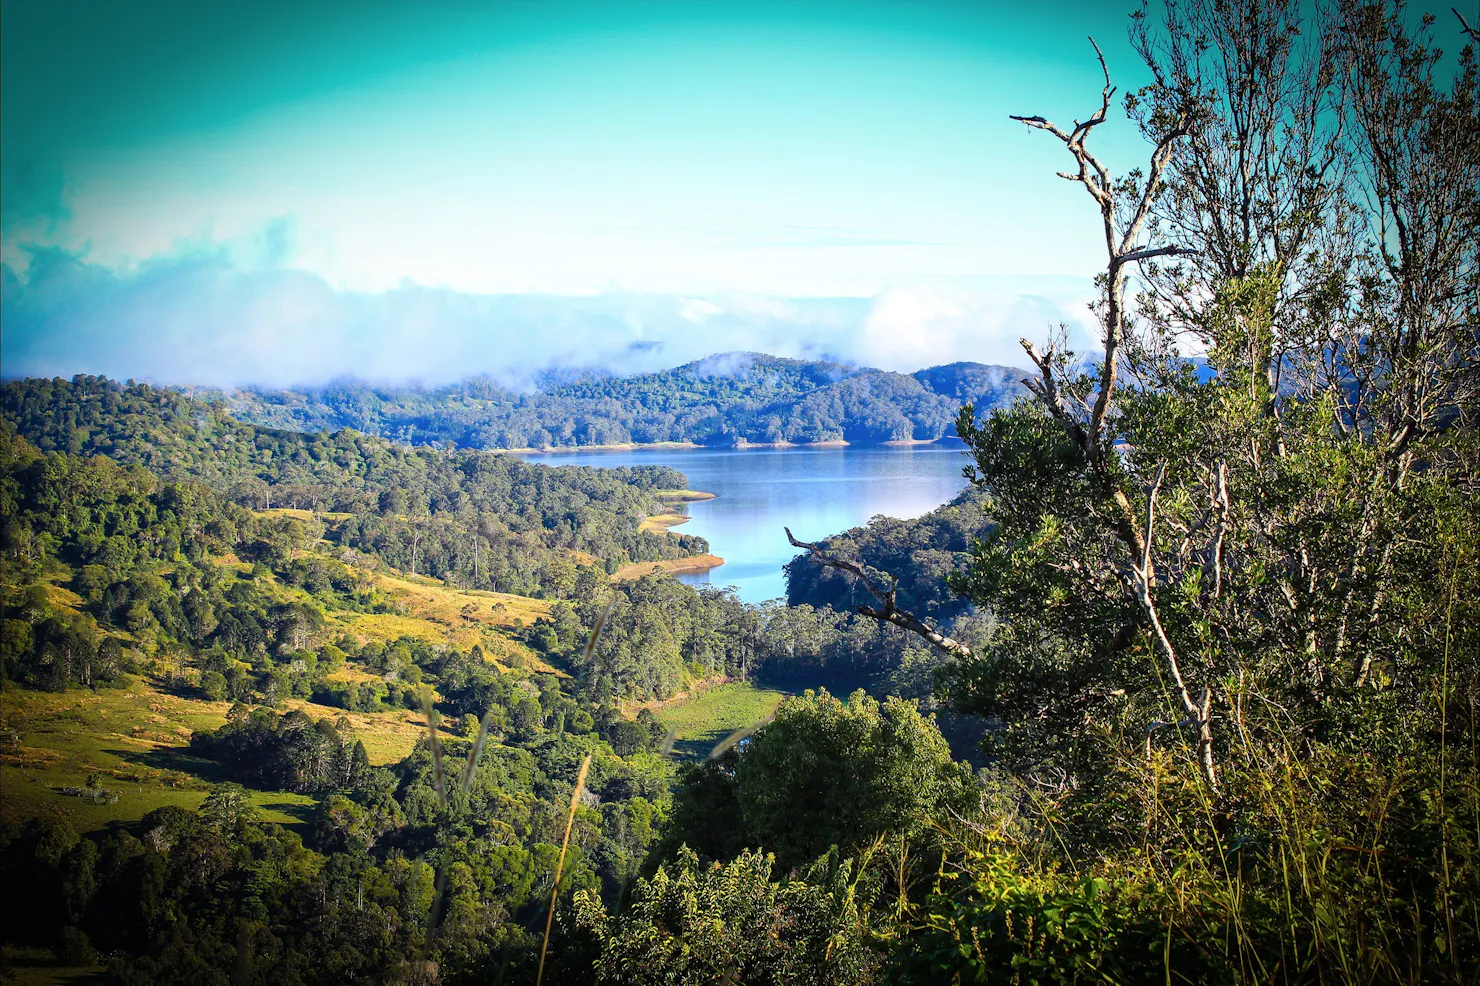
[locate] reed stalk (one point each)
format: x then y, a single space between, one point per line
570 818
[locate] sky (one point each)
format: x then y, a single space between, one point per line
281 193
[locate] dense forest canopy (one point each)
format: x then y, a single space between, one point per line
727 399
479 518
189 579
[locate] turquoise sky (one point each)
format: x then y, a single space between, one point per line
708 158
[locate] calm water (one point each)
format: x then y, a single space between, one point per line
815 492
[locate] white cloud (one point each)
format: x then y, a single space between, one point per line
909 328
232 314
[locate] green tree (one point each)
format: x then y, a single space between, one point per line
692 924
824 773
227 806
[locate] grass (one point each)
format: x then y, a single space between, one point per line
440 614
437 601
694 563
297 514
136 740
704 719
682 496
388 736
40 967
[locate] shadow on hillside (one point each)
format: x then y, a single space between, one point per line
302 814
699 747
178 758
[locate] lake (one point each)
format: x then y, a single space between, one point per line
814 491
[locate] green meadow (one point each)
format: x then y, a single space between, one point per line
703 720
134 742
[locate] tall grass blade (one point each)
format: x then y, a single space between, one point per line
596 632
431 714
733 739
575 799
476 752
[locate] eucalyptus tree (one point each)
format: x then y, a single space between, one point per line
1259 492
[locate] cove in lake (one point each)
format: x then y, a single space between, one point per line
816 492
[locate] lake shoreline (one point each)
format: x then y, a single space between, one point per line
817 492
692 565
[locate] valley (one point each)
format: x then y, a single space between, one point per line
202 612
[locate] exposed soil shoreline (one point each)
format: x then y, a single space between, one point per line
674 566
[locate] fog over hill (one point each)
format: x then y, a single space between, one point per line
724 399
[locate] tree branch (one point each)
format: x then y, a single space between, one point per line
1150 253
1047 390
887 611
1474 33
1201 712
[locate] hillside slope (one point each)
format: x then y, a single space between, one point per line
727 399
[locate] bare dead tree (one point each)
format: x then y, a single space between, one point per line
1126 210
1125 213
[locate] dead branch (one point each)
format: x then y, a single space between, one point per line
1474 33
1145 582
887 611
1223 508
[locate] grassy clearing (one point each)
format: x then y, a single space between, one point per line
40 967
702 720
683 496
135 740
440 614
388 736
296 514
437 601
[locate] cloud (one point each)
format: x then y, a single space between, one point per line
206 315
913 328
725 365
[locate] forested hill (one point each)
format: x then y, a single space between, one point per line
727 399
481 519
917 554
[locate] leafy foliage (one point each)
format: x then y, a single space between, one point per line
729 921
823 774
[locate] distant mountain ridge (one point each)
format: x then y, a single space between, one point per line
727 399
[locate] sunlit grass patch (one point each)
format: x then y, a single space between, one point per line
702 720
461 618
297 514
674 566
388 736
135 740
436 601
352 672
683 496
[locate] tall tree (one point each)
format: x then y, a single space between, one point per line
1175 532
